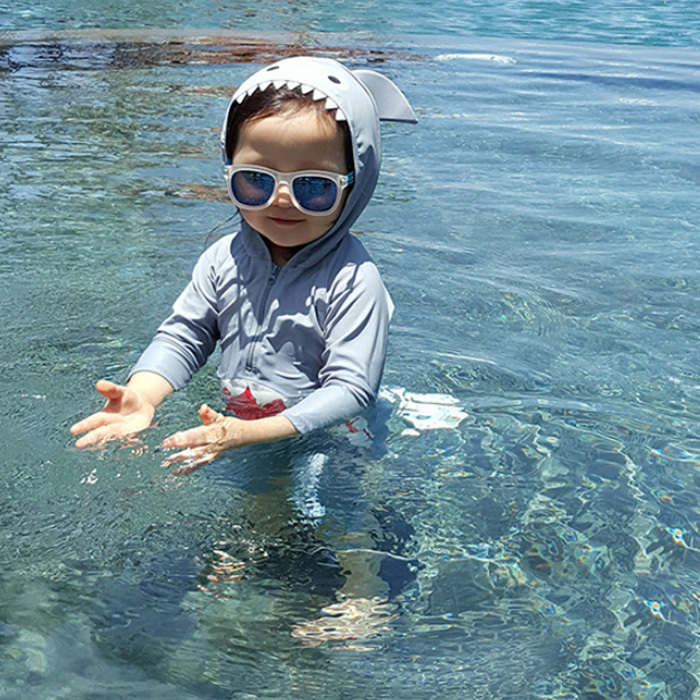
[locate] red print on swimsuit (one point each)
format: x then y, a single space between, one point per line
246 406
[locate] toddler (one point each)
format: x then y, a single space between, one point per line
293 299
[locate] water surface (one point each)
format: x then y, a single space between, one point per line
538 232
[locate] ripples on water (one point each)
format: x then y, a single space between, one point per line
659 23
537 232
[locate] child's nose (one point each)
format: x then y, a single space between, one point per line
283 198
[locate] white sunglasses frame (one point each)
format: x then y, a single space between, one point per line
342 182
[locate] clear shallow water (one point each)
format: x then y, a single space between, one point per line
538 233
642 22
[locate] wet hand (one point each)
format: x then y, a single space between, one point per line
124 414
205 443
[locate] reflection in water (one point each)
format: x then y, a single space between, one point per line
248 578
125 49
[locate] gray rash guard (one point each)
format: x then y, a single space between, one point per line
314 332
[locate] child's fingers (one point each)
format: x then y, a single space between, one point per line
110 390
189 460
96 420
194 437
178 457
98 436
78 427
208 415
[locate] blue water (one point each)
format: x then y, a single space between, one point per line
640 22
538 232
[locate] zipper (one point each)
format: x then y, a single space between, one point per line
263 313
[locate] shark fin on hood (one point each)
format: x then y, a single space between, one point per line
392 105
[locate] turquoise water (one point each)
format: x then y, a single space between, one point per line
538 232
645 22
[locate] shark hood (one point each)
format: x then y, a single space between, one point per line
362 98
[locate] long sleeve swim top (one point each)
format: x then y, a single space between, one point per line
315 335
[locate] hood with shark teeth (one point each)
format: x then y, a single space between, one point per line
362 98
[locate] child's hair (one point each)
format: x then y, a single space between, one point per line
265 103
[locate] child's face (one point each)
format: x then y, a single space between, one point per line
290 141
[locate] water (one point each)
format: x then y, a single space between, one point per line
640 22
538 232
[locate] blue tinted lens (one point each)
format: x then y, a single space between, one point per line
252 188
315 193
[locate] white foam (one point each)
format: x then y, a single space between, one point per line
494 58
425 411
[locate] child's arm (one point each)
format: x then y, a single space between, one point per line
356 335
220 433
129 409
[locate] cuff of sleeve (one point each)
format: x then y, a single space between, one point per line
163 358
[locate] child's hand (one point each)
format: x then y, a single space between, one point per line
125 413
220 433
204 443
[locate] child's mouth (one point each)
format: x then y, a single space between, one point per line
280 221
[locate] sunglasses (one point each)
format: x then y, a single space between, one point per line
315 192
